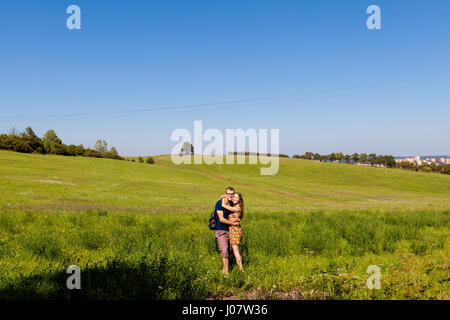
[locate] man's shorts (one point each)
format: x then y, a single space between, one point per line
223 238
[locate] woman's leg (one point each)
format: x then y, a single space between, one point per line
237 256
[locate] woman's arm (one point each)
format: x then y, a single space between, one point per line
229 208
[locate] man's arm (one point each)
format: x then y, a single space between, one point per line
225 221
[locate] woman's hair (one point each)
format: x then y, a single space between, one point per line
241 203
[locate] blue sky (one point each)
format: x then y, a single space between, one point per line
309 68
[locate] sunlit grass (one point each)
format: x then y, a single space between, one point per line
140 231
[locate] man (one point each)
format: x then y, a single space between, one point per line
222 228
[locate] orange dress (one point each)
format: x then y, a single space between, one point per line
235 231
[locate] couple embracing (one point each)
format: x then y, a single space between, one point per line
228 213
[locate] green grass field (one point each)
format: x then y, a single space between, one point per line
140 231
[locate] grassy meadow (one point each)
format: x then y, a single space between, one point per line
139 231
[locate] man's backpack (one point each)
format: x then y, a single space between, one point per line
212 221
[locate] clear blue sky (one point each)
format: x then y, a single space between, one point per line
340 86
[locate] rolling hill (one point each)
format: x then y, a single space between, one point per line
56 182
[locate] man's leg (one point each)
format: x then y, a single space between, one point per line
223 240
225 266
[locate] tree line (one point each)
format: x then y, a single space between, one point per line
363 158
373 159
50 143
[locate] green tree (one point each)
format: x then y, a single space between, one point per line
52 143
187 148
72 150
363 158
29 132
112 154
13 131
309 155
33 140
150 160
446 169
140 159
347 158
101 146
372 159
79 150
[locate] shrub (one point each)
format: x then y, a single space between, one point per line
150 160
446 169
112 154
92 153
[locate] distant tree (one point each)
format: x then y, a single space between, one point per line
363 158
79 150
446 169
33 140
150 160
30 132
14 143
389 161
13 131
112 154
372 159
187 148
308 155
101 146
355 157
347 158
140 159
424 167
333 157
51 142
71 150
434 167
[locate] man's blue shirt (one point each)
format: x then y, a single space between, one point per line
226 213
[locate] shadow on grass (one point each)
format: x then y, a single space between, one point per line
147 279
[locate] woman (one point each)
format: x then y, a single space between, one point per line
235 231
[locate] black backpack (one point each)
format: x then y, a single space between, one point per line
212 221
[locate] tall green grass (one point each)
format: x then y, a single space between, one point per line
316 254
